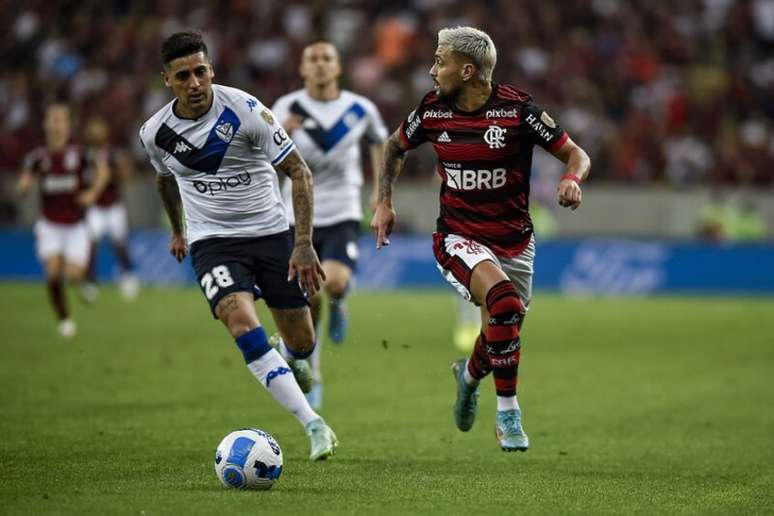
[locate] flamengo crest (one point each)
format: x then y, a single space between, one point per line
495 137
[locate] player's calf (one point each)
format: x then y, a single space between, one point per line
503 344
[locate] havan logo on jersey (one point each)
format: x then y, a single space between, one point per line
475 179
222 184
210 156
539 127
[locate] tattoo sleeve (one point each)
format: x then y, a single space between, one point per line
170 197
394 154
296 169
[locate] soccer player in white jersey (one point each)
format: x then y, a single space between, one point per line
327 124
215 150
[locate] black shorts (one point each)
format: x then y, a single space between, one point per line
226 265
337 242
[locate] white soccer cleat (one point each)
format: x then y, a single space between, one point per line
88 292
66 328
322 440
129 286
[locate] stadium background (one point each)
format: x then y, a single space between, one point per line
674 102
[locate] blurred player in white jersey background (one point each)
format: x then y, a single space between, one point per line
327 124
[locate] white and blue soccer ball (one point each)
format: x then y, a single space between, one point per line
248 459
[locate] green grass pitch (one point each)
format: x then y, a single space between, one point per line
650 406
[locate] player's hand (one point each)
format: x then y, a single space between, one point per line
382 223
86 198
178 247
292 123
305 264
569 194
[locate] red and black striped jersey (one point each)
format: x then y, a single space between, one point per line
61 179
484 160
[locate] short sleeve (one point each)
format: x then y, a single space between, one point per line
411 131
150 150
376 132
543 130
281 109
270 136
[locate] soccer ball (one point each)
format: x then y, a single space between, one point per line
248 459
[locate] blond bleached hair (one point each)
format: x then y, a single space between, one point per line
473 43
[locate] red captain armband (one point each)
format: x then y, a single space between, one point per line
571 177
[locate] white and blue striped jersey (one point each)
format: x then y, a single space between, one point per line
329 141
222 162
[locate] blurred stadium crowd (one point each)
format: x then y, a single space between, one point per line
675 92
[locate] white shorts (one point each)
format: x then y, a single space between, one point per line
109 220
68 240
461 255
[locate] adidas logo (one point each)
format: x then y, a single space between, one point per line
181 147
444 138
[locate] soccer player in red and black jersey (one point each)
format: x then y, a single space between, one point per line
108 214
483 134
61 236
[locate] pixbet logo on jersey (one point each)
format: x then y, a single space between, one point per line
222 184
475 179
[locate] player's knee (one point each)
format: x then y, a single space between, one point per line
75 273
504 306
301 343
336 287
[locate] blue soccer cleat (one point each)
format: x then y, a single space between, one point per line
467 398
315 396
337 322
509 432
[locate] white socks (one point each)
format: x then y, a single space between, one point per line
273 372
507 403
468 378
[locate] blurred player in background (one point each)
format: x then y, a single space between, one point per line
483 134
108 214
213 148
327 124
61 236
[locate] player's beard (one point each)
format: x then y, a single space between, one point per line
450 95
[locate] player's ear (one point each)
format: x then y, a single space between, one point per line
165 76
468 71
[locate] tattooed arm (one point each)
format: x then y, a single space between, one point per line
384 214
173 205
303 261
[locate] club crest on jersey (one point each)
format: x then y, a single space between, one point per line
495 137
266 115
225 131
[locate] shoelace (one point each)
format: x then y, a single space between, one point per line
511 424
